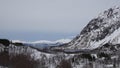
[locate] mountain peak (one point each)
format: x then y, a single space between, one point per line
110 12
101 30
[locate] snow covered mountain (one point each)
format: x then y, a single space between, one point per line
105 28
101 35
43 43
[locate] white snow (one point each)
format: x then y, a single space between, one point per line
108 39
63 40
45 41
15 41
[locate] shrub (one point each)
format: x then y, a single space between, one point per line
5 42
88 56
4 58
102 54
23 61
64 64
106 45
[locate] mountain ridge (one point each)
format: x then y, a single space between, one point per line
44 41
105 28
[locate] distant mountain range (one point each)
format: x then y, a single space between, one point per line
43 43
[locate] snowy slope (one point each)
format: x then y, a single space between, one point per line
49 60
105 28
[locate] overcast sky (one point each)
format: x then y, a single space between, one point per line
22 19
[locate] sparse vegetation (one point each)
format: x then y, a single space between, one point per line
64 64
23 61
102 54
88 56
4 58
